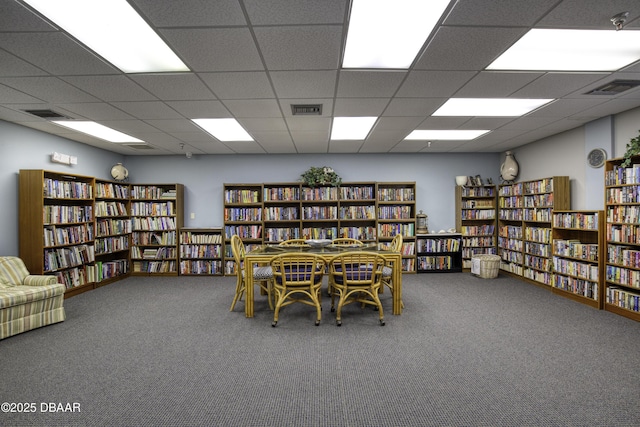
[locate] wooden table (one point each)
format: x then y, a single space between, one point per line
265 254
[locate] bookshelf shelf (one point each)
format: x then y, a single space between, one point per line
201 251
439 253
476 217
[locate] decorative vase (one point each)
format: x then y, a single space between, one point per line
461 180
509 168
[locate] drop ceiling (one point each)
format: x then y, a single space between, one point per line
252 59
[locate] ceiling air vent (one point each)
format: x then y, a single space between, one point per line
306 109
615 87
46 114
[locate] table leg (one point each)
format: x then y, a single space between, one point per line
397 285
248 291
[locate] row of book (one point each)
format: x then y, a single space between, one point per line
478 230
576 249
200 251
109 269
395 212
357 212
277 213
154 266
111 244
511 231
538 263
623 298
360 233
112 191
623 276
390 230
628 214
244 231
511 202
468 253
70 235
357 193
199 237
396 194
151 238
479 204
620 176
579 220
153 224
538 234
319 193
478 214
434 262
468 191
511 244
629 194
537 214
510 256
281 193
576 286
320 233
109 227
438 245
511 190
164 252
76 276
201 267
540 276
538 249
579 269
243 214
67 257
623 233
623 255
541 186
153 208
54 214
510 214
57 189
408 264
319 212
241 196
280 234
538 201
104 208
474 242
152 192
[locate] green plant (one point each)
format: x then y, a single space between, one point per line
324 175
633 149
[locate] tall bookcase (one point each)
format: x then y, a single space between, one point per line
622 209
113 230
56 223
156 216
476 217
201 251
269 213
578 257
524 225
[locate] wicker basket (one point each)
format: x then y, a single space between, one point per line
485 266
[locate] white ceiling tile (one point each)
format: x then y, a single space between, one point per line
304 84
96 111
16 17
300 48
360 107
264 124
434 83
364 84
311 141
200 109
148 110
495 84
51 89
11 66
174 87
279 142
110 88
413 106
247 85
281 12
345 146
322 124
242 108
557 85
12 96
492 13
173 126
588 14
215 49
192 13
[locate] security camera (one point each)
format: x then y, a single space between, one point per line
189 154
619 20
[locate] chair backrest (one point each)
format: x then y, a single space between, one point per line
12 271
298 269
357 268
396 243
237 249
294 242
346 241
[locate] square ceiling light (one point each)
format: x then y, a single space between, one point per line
98 130
445 135
115 31
224 129
571 50
489 107
389 34
351 128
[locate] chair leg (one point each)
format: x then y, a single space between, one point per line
238 295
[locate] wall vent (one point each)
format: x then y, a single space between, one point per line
615 87
306 109
46 114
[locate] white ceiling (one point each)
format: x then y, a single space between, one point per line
252 59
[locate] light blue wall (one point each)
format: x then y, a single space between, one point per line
204 176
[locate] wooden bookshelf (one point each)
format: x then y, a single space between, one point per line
476 220
439 253
113 231
201 251
524 225
578 256
156 216
56 227
622 210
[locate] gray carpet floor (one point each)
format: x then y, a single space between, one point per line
465 352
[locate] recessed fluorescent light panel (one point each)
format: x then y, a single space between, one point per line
445 135
224 129
389 34
98 130
571 50
115 31
489 107
351 128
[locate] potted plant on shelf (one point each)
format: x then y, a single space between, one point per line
318 176
633 149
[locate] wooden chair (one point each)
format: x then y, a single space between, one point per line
262 276
346 242
297 277
293 242
356 277
387 271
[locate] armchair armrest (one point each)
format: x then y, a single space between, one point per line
39 280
